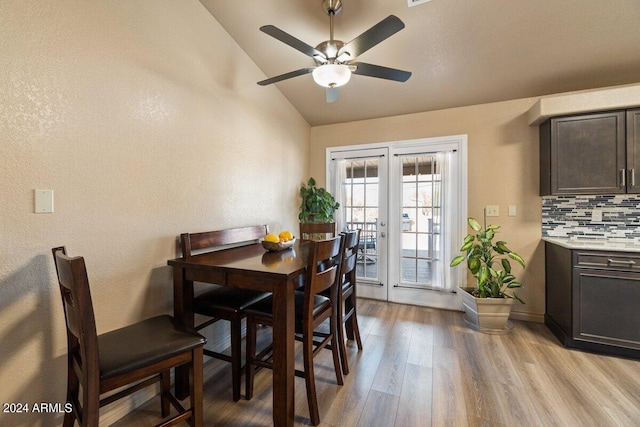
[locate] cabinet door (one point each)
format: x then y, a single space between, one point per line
588 154
605 307
633 151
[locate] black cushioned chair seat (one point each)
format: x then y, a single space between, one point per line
146 342
264 307
226 299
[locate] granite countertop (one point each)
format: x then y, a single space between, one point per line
621 245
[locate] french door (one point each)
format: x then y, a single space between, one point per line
409 201
363 196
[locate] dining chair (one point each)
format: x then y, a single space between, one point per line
225 303
134 356
347 314
311 310
317 231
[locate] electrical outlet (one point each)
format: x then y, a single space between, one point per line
512 211
492 210
596 215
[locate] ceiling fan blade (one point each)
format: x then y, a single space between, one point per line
374 35
288 39
331 95
364 69
285 76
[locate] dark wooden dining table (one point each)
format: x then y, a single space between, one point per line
249 267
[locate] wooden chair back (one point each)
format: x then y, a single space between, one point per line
310 231
211 239
82 338
322 271
347 316
349 257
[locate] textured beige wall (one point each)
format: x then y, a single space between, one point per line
502 170
144 118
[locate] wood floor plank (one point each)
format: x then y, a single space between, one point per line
381 316
575 393
390 373
499 365
424 367
512 406
448 406
613 400
380 410
623 373
414 406
446 324
420 350
547 398
350 400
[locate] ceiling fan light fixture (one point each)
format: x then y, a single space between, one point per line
331 75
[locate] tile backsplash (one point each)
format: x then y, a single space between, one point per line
572 217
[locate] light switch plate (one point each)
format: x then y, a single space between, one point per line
492 210
44 201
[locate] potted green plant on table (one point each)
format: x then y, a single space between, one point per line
318 206
488 305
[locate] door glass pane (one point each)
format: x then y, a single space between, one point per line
361 212
420 219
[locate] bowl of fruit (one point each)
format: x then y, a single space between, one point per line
278 242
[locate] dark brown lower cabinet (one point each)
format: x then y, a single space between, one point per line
593 299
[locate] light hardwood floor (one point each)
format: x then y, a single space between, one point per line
423 367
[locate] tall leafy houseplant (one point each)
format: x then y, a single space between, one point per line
318 205
484 259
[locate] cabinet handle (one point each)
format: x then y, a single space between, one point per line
632 177
621 262
623 177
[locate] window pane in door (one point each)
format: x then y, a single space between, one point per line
421 217
361 211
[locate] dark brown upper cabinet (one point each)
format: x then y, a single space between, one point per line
590 153
633 150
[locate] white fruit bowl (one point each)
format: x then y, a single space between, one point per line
277 247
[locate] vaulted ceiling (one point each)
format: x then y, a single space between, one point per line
460 52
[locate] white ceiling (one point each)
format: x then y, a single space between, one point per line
461 52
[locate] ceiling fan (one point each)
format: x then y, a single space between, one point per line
335 60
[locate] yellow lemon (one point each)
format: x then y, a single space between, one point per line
285 236
271 238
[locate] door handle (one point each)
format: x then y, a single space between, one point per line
623 177
632 177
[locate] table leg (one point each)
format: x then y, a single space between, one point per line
183 312
283 354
